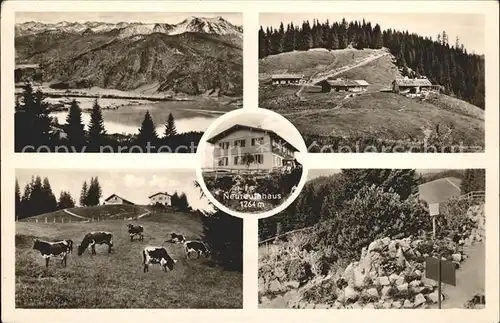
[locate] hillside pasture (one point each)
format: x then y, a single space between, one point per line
310 62
374 116
117 280
386 116
103 212
378 73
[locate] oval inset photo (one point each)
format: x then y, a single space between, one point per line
251 162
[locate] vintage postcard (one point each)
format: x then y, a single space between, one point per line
321 161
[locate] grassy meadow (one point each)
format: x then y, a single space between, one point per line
117 280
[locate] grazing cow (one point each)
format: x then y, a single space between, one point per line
135 230
53 249
196 246
157 255
177 238
93 238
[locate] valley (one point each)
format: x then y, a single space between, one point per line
190 70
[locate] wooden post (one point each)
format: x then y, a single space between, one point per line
45 220
62 220
434 227
439 283
36 220
54 220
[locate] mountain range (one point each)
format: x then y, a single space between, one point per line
217 25
196 56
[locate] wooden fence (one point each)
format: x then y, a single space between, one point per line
283 235
66 220
474 195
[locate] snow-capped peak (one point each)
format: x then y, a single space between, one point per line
216 25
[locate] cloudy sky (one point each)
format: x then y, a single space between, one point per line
468 27
275 123
133 185
115 17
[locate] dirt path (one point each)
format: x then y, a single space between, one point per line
342 70
470 279
73 214
338 71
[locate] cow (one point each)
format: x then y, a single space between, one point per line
93 238
195 246
53 249
157 255
135 230
176 238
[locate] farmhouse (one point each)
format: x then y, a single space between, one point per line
286 79
115 199
343 85
160 198
413 86
242 147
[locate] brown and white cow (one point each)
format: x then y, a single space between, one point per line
54 249
93 238
157 255
195 246
135 230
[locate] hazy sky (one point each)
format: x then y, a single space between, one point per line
114 17
133 185
468 27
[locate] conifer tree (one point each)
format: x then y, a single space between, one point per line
170 129
147 131
17 199
74 126
83 194
49 203
97 132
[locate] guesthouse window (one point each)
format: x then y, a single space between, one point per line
257 141
224 145
259 158
239 143
223 161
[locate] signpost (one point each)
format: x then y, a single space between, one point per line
434 211
443 271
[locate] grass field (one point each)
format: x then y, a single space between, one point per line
99 211
116 280
309 62
336 116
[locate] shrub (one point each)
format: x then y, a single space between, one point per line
299 270
321 293
455 222
319 263
224 234
373 214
